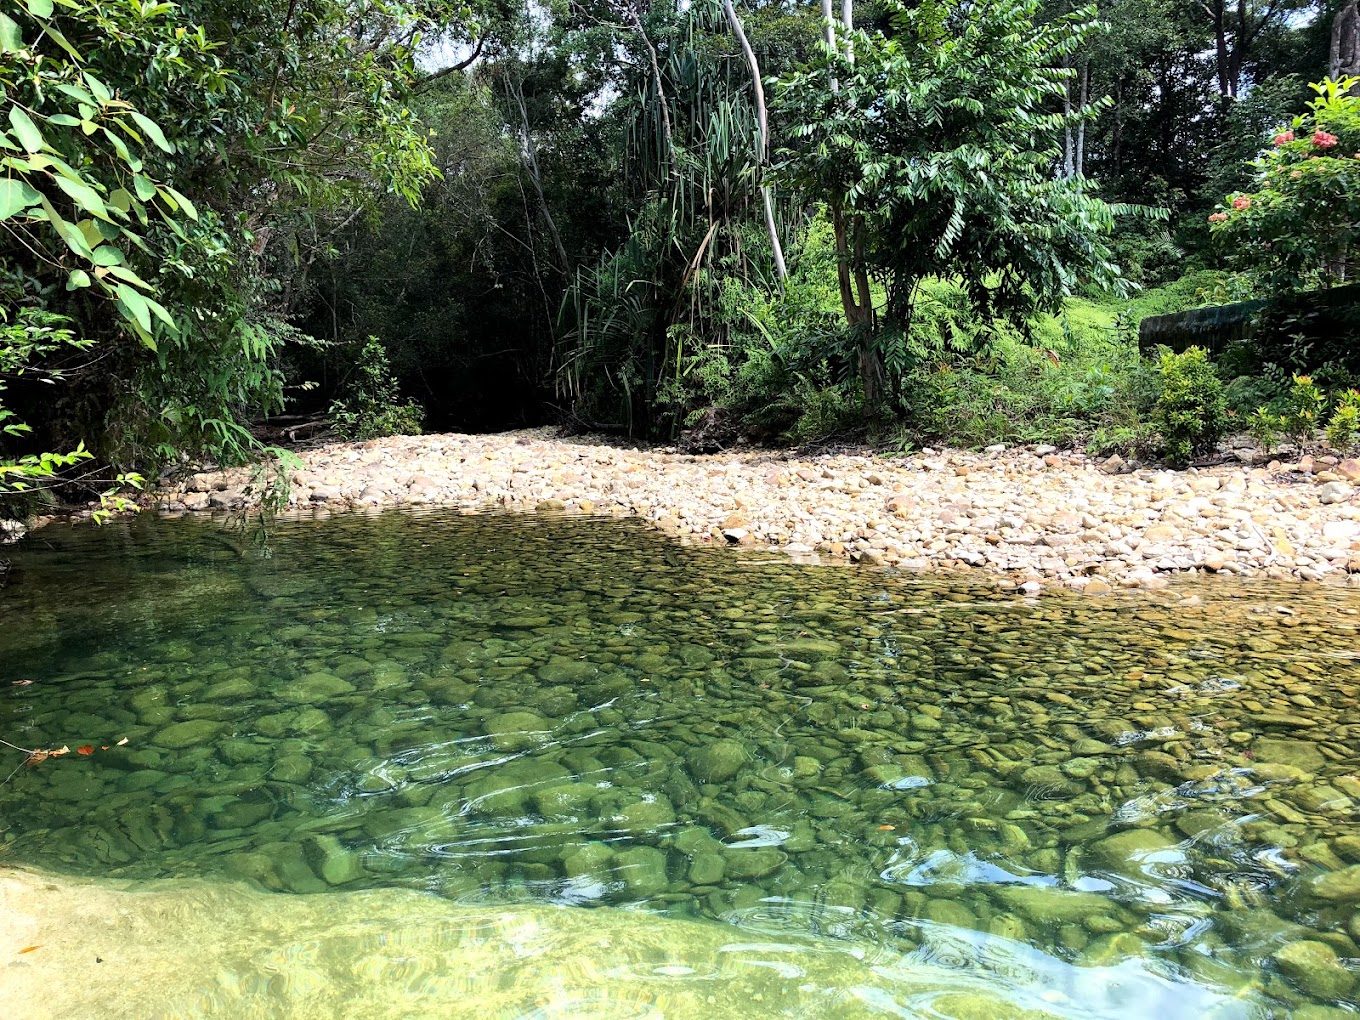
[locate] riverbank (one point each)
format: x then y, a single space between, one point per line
1027 516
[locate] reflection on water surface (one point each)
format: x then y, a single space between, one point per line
1124 806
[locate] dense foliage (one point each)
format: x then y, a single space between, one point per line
187 183
1299 223
378 212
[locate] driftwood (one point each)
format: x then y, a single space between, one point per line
290 429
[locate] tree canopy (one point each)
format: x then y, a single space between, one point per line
613 213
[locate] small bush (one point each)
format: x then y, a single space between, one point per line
1306 405
1191 410
1265 427
370 406
1343 431
1121 439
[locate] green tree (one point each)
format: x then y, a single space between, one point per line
188 164
934 148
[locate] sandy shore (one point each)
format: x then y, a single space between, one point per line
1028 516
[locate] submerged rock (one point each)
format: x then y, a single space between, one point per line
313 688
718 761
1315 968
1130 852
516 731
188 734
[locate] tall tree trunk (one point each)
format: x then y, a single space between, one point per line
531 160
829 37
660 88
1069 148
763 155
1345 55
1085 98
848 24
1218 15
852 278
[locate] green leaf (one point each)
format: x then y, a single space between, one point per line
152 130
134 306
88 231
64 120
101 91
124 273
16 196
11 39
39 8
78 278
146 190
107 255
67 230
84 196
121 200
77 93
120 147
27 132
184 203
62 41
158 310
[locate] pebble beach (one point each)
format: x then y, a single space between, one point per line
1026 517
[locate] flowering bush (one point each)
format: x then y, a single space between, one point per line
1300 225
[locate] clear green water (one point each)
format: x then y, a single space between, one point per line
1118 807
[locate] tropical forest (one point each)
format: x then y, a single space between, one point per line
680 510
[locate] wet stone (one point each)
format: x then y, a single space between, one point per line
715 762
188 734
1315 968
516 731
312 689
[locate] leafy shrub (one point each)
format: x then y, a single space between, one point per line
1191 411
370 406
1305 407
1343 431
1264 426
1247 393
1124 439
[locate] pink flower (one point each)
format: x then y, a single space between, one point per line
1283 137
1241 202
1322 140
1219 217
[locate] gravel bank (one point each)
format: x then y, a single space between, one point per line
1030 516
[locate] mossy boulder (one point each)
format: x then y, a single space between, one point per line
649 814
313 689
179 736
718 761
1131 851
746 865
516 731
642 870
1315 968
1338 886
